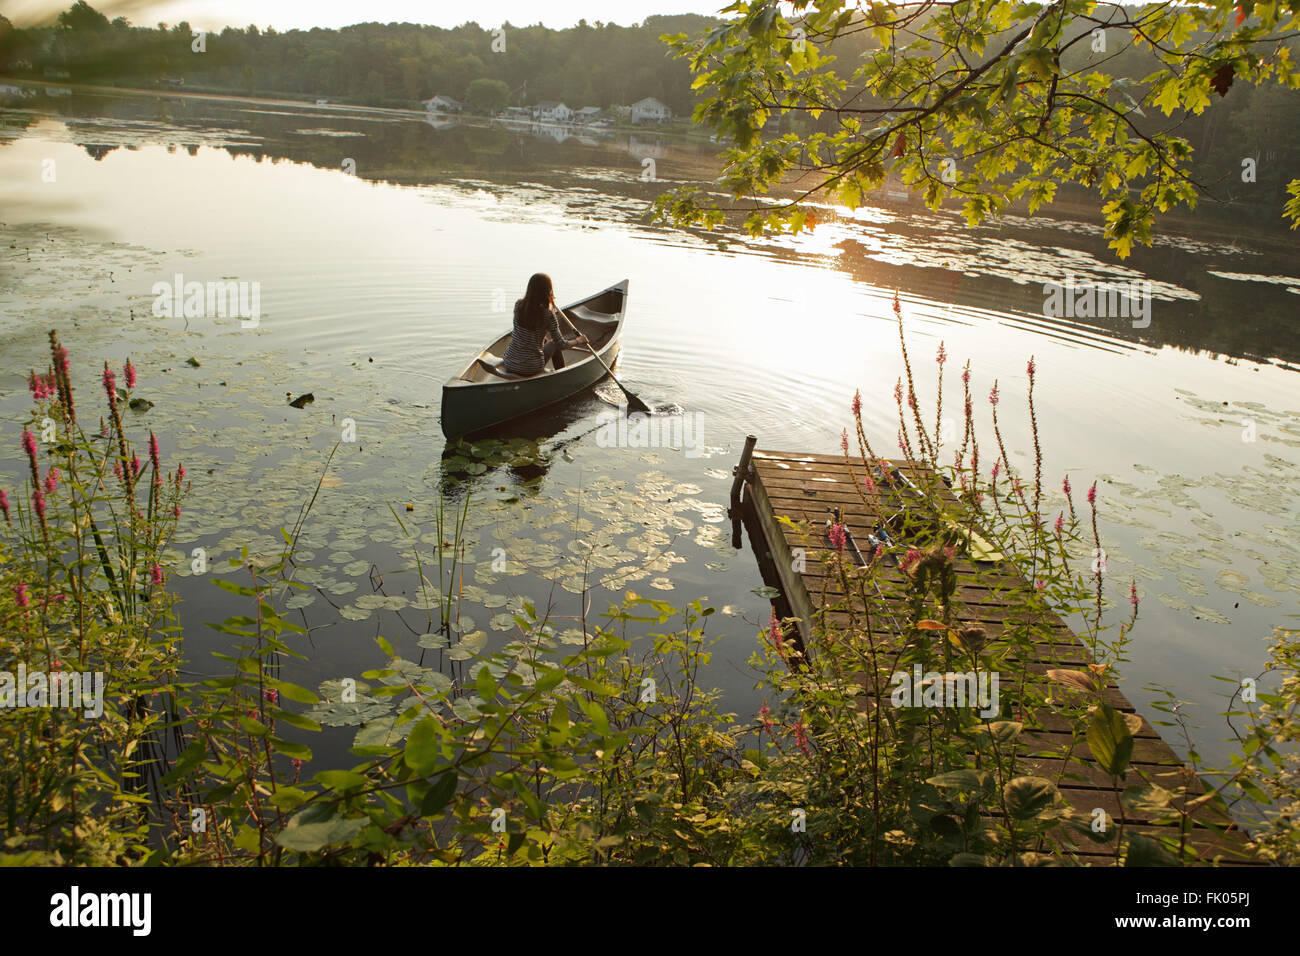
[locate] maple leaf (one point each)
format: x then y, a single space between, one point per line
1222 79
900 144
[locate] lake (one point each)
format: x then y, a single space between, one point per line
388 248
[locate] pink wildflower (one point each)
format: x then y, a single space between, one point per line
176 511
297 764
110 384
910 560
837 536
868 483
801 737
1092 494
117 470
156 574
898 309
774 631
20 595
857 404
38 502
878 553
997 467
272 695
993 394
129 373
42 386
4 506
51 481
965 374
29 446
898 392
1060 521
942 356
135 465
765 716
1031 367
844 440
1065 486
1133 595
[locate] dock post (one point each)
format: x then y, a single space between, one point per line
741 473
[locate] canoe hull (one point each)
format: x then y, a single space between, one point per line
471 406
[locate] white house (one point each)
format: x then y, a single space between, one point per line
442 104
550 111
588 114
650 110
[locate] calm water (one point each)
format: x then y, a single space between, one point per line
377 284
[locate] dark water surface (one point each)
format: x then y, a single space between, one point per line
377 285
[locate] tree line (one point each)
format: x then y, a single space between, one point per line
394 64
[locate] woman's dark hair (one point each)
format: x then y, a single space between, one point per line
537 302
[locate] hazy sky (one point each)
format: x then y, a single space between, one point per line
288 14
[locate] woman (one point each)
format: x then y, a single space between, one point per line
535 317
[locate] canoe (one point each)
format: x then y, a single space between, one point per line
485 394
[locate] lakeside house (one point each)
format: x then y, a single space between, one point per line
516 114
443 104
552 111
588 115
650 110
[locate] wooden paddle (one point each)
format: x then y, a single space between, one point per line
634 404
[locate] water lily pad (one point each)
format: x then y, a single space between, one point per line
1209 614
382 732
469 645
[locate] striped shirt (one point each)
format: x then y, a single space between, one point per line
525 356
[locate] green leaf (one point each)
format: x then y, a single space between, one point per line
292 691
1109 740
439 795
341 779
422 746
310 837
291 749
1143 851
485 684
967 781
1025 797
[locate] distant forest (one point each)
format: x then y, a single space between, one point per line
394 64
597 64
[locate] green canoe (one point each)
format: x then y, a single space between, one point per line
485 394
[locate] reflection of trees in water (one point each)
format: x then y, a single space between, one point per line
1240 319
1237 319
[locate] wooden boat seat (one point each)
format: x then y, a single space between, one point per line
591 315
497 367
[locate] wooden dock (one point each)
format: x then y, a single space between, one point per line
802 487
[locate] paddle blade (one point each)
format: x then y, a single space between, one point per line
635 404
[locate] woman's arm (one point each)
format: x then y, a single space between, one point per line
578 339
